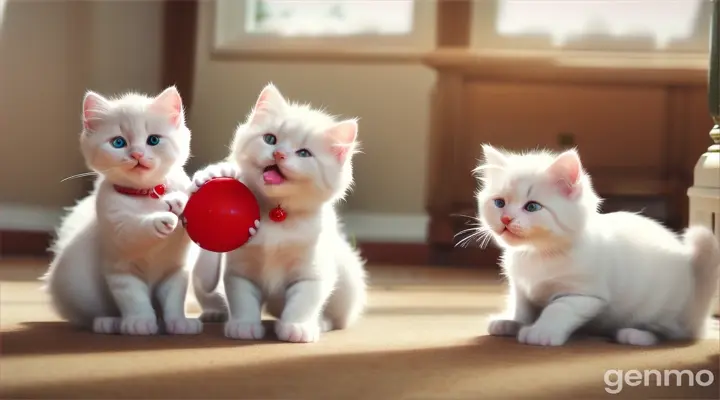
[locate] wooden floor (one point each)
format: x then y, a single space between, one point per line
422 338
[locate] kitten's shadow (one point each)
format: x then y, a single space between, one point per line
62 338
584 343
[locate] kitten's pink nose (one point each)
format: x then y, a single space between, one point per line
136 155
506 220
279 155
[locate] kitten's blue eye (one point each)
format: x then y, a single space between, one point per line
532 206
153 140
118 142
269 138
304 153
499 203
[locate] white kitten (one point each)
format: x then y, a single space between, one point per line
122 245
303 268
570 267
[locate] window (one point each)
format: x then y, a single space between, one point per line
677 26
335 25
329 18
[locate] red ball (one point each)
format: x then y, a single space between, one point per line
218 217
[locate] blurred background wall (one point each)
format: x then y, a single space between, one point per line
52 52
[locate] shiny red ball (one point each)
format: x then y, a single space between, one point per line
218 217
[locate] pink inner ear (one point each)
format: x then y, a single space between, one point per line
566 171
169 103
567 189
342 136
91 107
263 98
269 97
340 152
175 118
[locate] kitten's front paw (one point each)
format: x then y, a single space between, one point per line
636 337
244 330
253 229
541 336
139 326
504 327
164 223
176 202
224 170
297 332
106 325
183 326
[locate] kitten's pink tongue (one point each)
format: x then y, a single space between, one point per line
273 177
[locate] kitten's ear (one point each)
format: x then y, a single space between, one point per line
270 99
342 138
94 107
169 103
493 156
566 171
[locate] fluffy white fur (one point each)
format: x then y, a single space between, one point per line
119 259
303 268
571 268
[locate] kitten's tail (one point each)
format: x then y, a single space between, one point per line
706 269
208 286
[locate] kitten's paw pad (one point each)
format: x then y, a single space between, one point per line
541 336
244 330
253 229
636 337
504 327
213 316
297 333
225 170
165 223
106 325
176 202
183 326
139 326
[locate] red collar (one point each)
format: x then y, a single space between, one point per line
154 192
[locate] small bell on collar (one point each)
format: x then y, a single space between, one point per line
277 214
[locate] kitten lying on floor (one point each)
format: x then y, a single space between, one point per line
570 267
122 244
302 267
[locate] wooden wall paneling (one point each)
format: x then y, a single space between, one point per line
520 116
454 22
180 34
448 116
688 123
450 183
24 243
675 147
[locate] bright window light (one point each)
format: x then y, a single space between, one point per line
565 21
329 17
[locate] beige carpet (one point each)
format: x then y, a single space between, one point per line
423 338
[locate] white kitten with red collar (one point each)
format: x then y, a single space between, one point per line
298 162
122 245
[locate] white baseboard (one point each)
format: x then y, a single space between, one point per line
18 217
375 227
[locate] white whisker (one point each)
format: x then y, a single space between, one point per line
82 175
